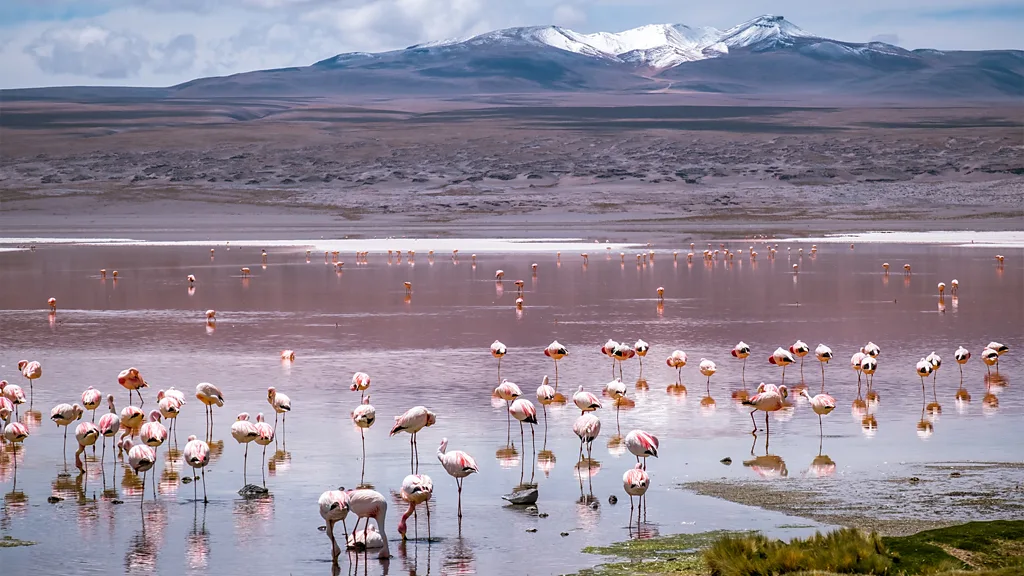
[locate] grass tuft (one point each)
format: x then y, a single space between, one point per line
844 551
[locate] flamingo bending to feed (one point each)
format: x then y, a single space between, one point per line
585 401
86 433
556 352
360 382
642 445
131 380
281 404
414 420
782 358
209 395
677 360
587 427
457 464
524 411
197 455
64 415
141 458
498 350
109 424
334 507
823 354
53 304
369 504
244 432
641 349
636 482
770 398
416 489
742 351
265 438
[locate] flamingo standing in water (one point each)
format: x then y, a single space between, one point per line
871 349
197 455
153 434
414 420
457 464
508 391
823 354
822 404
86 433
617 391
6 408
936 363
170 407
556 352
524 411
416 489
91 400
64 415
334 507
363 417
708 368
14 393
609 350
360 382
742 351
620 354
369 504
641 349
53 304
15 433
962 355
999 348
109 424
587 427
265 438
131 420
209 395
768 399
868 365
244 432
131 380
855 363
781 358
281 404
677 360
800 349
31 371
498 350
924 368
141 458
642 445
545 395
585 401
636 482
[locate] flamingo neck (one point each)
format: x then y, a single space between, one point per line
402 522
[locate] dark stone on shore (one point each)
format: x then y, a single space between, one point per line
612 499
531 529
564 534
253 491
186 480
914 479
727 461
115 501
954 474
54 499
528 496
542 515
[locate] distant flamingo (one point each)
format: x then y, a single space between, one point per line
885 266
191 279
245 272
64 415
742 351
414 420
771 399
823 354
781 358
53 304
871 349
906 269
457 464
677 360
281 404
109 424
954 287
334 507
636 482
587 427
556 352
707 368
661 291
91 400
288 355
585 401
360 382
265 438
370 504
131 380
197 455
86 434
209 395
416 489
508 391
244 432
211 316
641 349
141 458
642 445
498 350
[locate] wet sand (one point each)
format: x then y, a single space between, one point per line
432 349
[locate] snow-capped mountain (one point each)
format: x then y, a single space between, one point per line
653 45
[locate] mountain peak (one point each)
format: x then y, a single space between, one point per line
765 32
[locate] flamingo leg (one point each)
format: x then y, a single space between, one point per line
522 438
820 433
459 482
204 486
245 464
822 377
263 466
754 431
335 551
143 499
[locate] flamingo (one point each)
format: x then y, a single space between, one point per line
868 365
370 504
86 433
954 288
616 390
14 393
91 400
281 404
508 391
360 382
781 358
641 349
363 417
211 316
334 507
169 408
209 395
264 438
197 455
769 399
609 350
924 368
416 489
524 411
109 424
153 434
546 395
636 482
661 289
991 358
457 464
936 362
800 349
245 272
742 351
999 348
620 354
855 362
53 304
15 432
677 360
587 427
871 349
6 409
556 352
585 401
885 267
177 395
962 355
244 432
707 368
408 288
906 269
414 420
942 289
822 404
288 355
823 354
131 380
191 279
131 420
31 371
141 458
642 445
64 415
498 350
498 275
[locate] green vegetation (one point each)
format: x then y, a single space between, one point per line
975 549
9 542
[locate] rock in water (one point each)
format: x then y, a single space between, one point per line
253 491
727 460
528 496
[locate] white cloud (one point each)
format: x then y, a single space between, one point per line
89 51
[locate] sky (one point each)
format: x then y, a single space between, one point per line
165 42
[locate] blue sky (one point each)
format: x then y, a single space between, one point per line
164 42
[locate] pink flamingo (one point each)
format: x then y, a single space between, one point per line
822 404
587 427
360 382
132 380
416 489
800 349
153 434
64 415
131 420
855 362
642 444
14 393
265 438
6 408
141 458
962 355
53 304
636 482
768 399
781 358
363 417
556 352
508 391
169 409
109 425
414 420
281 404
641 348
868 365
197 455
871 349
616 390
91 400
620 354
585 401
370 504
742 351
498 350
31 371
15 433
209 395
244 432
823 354
458 465
708 368
524 411
333 508
609 350
677 360
86 433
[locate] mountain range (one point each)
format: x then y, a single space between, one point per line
767 55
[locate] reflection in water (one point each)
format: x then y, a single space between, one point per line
253 517
821 466
617 445
507 456
546 461
925 428
281 461
144 546
457 557
768 466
